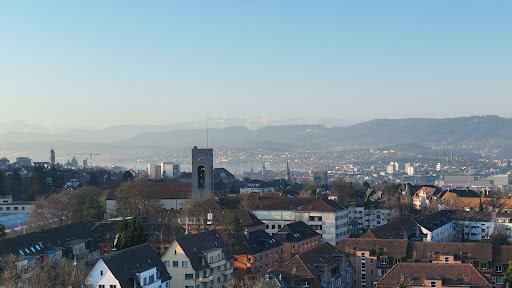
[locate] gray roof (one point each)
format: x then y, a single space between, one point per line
125 263
193 245
40 242
295 232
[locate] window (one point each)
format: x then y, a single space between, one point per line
184 264
211 259
101 286
483 265
167 264
432 284
16 208
8 208
189 286
267 226
101 272
355 260
201 177
174 263
151 279
384 261
446 259
355 271
112 286
498 280
218 268
499 268
211 271
145 281
218 279
189 276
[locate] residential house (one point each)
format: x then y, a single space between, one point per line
402 228
256 254
490 260
201 260
326 217
433 275
322 266
297 237
72 241
137 266
371 259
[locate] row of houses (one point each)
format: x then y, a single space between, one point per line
372 259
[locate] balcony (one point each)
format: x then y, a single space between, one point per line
217 264
206 279
227 271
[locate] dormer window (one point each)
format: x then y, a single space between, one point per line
384 261
433 284
499 268
446 259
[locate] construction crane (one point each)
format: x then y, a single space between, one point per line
80 153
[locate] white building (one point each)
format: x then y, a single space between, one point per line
199 260
361 218
325 216
164 170
138 266
7 206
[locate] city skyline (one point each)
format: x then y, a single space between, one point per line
70 64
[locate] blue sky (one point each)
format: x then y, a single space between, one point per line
102 63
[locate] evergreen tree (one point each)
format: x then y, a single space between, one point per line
129 234
2 183
37 187
480 206
507 277
2 231
57 180
16 181
127 176
93 211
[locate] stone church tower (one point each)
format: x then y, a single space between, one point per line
202 171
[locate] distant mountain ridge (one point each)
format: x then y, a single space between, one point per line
375 133
474 130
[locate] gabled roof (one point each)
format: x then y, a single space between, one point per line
401 228
194 245
125 263
247 219
461 251
45 240
254 242
163 190
296 232
415 274
396 248
312 262
434 221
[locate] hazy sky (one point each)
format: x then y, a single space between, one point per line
100 63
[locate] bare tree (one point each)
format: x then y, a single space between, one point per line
135 198
343 190
64 208
10 273
245 282
197 208
499 235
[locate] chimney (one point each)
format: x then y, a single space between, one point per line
246 233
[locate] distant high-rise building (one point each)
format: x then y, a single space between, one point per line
84 163
52 157
202 171
164 170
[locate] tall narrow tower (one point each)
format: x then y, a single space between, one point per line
52 157
288 174
202 171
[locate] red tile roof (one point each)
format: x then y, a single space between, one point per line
414 274
297 204
461 251
396 248
165 190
